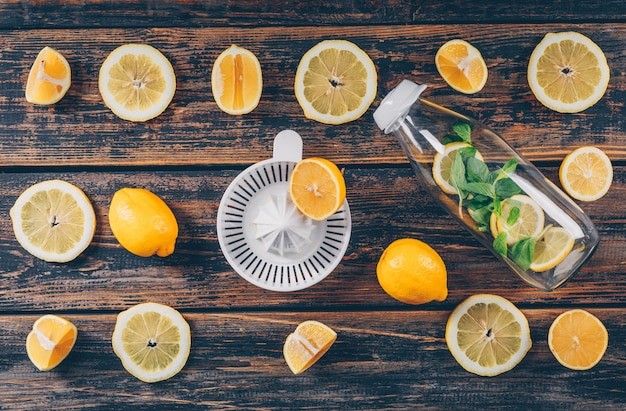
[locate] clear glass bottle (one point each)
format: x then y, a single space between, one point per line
499 196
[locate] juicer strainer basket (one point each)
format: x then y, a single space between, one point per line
265 239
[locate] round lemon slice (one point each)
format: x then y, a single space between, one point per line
53 220
568 72
152 340
488 335
529 223
442 165
335 82
586 173
317 188
137 82
578 339
552 248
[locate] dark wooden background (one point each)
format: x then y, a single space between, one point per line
388 355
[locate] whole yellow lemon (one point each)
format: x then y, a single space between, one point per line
410 271
142 222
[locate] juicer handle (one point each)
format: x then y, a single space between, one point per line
287 146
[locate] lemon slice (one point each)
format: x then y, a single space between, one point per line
237 81
335 82
462 66
50 341
152 340
488 335
53 220
307 344
551 249
586 173
578 339
317 188
568 72
529 223
137 82
49 78
442 165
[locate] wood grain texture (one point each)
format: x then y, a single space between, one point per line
385 204
388 355
391 359
193 13
80 130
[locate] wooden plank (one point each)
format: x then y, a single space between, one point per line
196 13
197 276
81 131
381 360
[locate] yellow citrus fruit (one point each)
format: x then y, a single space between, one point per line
142 222
49 79
152 340
586 173
335 82
578 339
50 341
462 66
568 72
137 82
411 271
53 220
442 165
307 344
551 249
529 223
236 80
487 335
317 188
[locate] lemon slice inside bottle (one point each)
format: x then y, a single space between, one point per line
442 165
551 249
529 223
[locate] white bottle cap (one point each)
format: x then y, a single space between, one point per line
397 104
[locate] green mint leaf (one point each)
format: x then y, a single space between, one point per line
477 202
464 131
504 172
506 188
467 153
499 244
477 171
497 205
510 166
484 189
523 252
451 138
481 216
513 216
457 173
